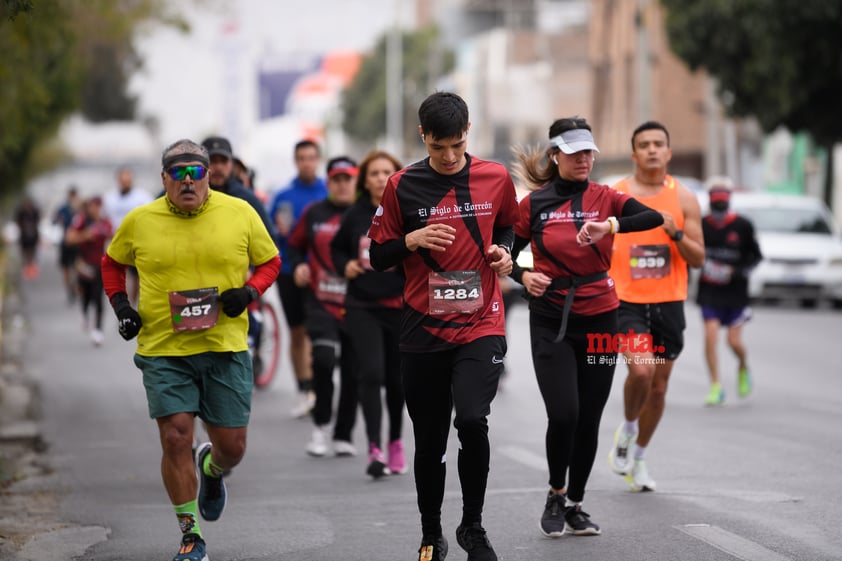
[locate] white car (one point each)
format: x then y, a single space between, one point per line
801 245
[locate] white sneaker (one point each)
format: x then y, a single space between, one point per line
619 458
639 478
306 402
318 442
344 448
97 336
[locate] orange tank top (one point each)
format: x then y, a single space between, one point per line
646 266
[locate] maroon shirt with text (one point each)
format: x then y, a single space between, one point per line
551 217
451 297
312 235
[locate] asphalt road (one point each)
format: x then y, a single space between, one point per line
756 479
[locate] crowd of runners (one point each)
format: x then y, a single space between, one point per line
393 280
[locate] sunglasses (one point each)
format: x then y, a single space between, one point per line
180 172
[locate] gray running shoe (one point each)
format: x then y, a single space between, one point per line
552 521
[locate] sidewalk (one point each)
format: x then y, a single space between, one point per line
28 498
18 404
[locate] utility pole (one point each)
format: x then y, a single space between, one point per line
644 70
394 86
713 150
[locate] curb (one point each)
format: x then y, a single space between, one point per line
19 426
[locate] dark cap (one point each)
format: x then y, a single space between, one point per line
340 165
217 145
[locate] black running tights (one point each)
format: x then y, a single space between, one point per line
374 334
463 379
575 385
324 363
92 296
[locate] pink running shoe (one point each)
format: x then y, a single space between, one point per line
376 463
397 461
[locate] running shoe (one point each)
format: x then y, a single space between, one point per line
473 540
397 460
318 442
97 337
716 396
376 463
619 458
306 402
433 548
743 382
552 521
343 448
192 549
579 523
212 492
639 478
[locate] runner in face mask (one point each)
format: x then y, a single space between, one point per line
731 252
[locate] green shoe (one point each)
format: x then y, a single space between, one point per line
716 395
743 382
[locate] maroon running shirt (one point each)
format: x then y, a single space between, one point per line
312 235
451 297
551 220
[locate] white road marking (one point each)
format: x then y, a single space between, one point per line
732 544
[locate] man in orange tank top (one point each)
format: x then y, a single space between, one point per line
650 273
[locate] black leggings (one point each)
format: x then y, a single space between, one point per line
465 379
374 334
327 336
91 290
575 385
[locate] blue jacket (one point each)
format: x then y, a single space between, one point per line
298 195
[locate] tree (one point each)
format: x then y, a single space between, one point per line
60 57
779 62
40 80
364 101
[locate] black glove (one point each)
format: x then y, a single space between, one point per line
128 320
235 300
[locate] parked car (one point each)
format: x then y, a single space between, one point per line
801 245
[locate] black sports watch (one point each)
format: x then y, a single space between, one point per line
677 236
253 293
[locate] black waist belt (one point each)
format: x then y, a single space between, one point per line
571 283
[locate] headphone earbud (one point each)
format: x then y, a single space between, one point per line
555 160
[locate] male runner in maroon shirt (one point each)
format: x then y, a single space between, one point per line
448 221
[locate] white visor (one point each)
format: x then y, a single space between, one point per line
574 140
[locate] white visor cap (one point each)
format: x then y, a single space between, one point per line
573 141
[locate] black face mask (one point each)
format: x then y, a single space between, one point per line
719 206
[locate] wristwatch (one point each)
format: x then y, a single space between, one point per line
253 293
677 236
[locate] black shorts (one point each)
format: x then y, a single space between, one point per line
664 321
292 300
67 255
322 326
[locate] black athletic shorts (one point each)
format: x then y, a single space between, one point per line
292 299
67 255
664 321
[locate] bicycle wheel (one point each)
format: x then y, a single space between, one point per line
269 349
